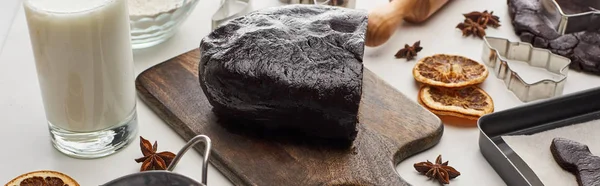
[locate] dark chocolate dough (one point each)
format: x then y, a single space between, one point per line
289 68
577 159
583 48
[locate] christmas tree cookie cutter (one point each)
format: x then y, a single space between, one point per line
497 54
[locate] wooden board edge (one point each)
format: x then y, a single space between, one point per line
418 145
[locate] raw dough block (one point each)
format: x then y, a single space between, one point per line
296 67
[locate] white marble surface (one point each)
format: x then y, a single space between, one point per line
8 9
26 145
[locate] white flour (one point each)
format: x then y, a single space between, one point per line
152 7
535 150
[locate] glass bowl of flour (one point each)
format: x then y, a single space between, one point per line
155 21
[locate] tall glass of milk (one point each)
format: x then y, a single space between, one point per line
85 70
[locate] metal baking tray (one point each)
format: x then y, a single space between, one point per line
529 119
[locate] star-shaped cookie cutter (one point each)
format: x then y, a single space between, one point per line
565 23
497 54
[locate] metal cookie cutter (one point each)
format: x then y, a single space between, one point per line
228 10
565 23
168 177
497 52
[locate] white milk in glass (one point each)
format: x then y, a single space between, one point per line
84 63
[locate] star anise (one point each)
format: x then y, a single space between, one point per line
440 171
470 27
409 52
151 159
484 18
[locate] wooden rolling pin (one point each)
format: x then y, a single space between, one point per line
384 19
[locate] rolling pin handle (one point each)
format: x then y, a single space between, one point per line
384 20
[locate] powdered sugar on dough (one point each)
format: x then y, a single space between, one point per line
535 150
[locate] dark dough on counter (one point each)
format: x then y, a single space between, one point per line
577 159
583 48
295 68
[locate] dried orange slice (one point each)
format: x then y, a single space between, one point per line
449 71
469 102
43 177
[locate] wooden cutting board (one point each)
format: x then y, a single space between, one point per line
392 128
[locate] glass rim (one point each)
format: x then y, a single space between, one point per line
27 3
